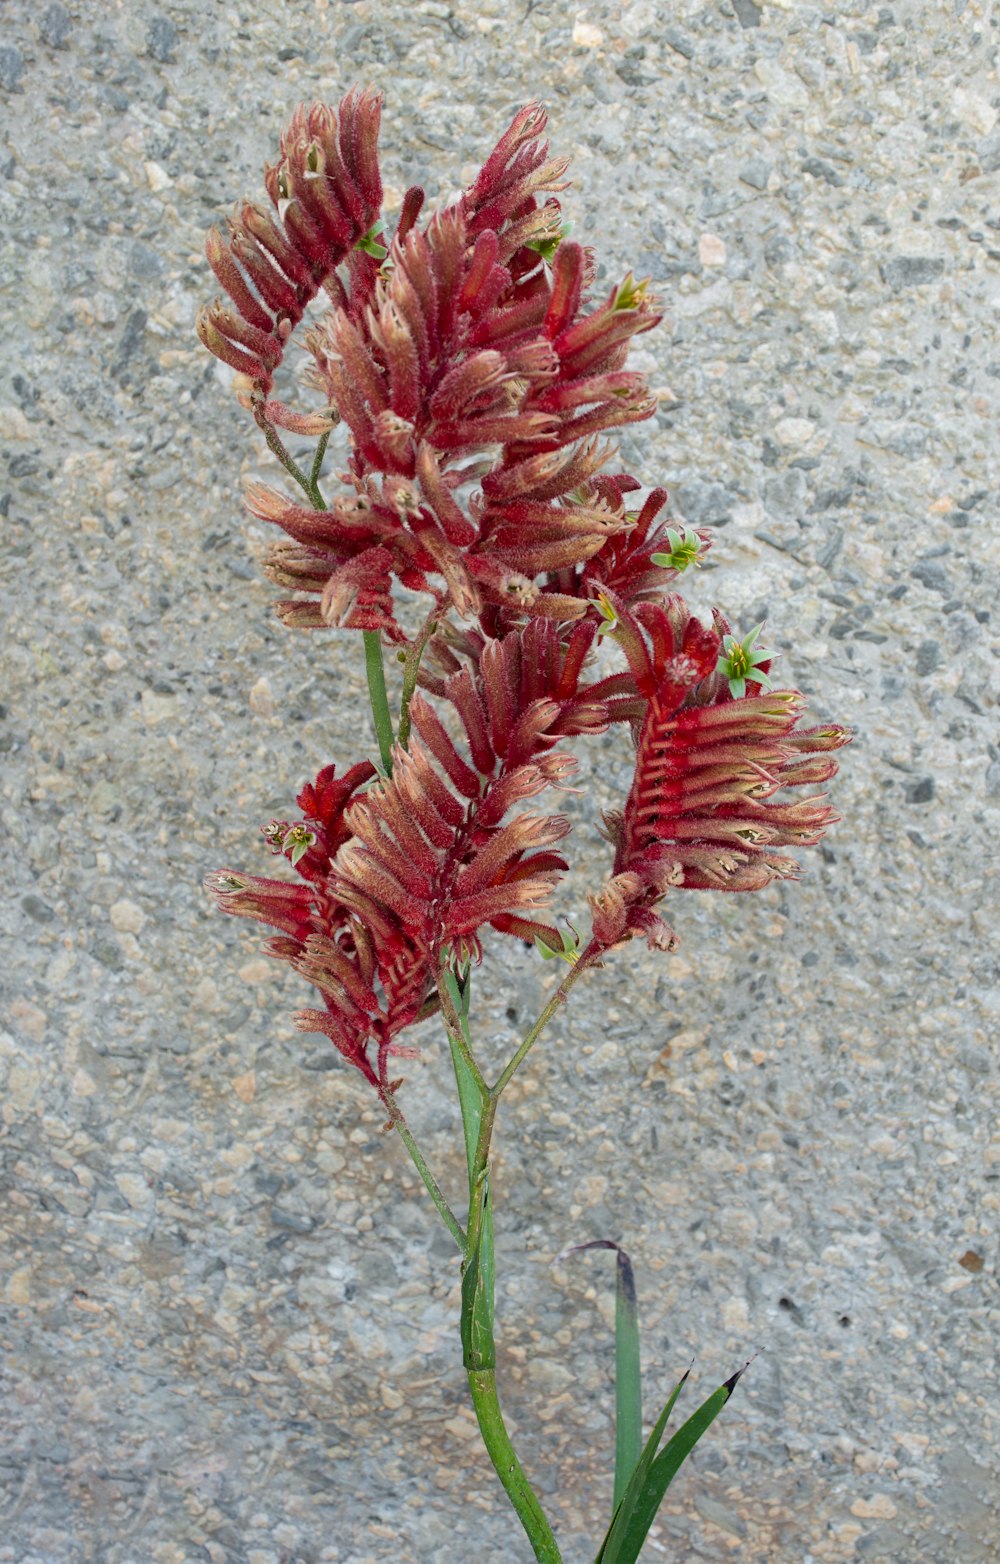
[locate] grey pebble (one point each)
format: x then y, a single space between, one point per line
778 251
932 574
11 67
748 14
161 40
928 657
912 271
108 953
132 339
756 173
922 792
821 170
54 25
704 503
294 1221
680 41
144 263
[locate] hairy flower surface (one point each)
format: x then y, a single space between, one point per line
478 378
457 355
701 813
402 874
326 192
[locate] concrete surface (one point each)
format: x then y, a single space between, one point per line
229 1325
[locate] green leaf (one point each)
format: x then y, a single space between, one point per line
547 248
685 550
470 1101
478 1348
570 951
368 243
654 1474
628 1379
638 1478
298 842
739 662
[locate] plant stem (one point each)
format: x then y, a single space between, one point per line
375 669
583 960
458 1031
374 666
411 668
317 468
433 1188
277 447
480 1350
482 1384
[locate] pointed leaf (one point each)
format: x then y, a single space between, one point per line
643 1498
628 1381
469 1097
621 1516
478 1348
471 1105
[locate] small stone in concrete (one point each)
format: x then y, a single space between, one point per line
161 40
912 271
932 574
747 13
126 916
11 67
711 250
54 26
680 42
755 173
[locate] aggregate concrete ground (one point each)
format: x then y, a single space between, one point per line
229 1325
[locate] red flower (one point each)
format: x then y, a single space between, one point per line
700 815
327 193
478 380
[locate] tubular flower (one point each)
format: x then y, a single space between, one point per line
479 381
454 352
403 874
326 192
701 813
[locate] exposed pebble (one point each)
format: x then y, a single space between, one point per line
207 1232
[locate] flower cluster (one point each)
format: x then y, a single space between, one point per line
477 376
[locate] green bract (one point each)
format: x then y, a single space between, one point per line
739 662
685 550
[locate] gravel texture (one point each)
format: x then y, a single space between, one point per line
229 1323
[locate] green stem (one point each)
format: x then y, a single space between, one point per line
375 669
482 1384
479 1349
374 666
433 1188
317 468
277 447
531 1038
411 668
458 1031
478 1339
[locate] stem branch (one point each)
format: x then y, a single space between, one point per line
317 468
411 668
458 1032
277 447
433 1188
375 669
583 960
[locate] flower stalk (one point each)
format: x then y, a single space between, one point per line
377 694
478 377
